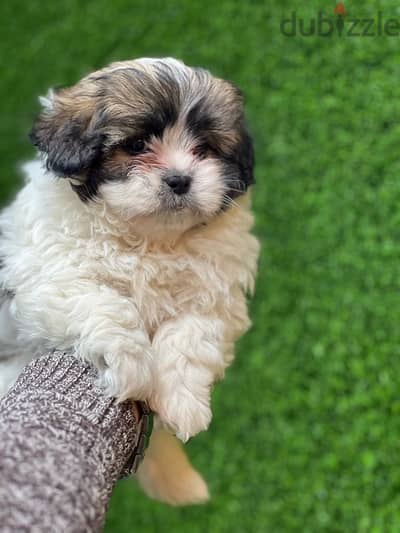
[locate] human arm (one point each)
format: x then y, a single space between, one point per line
63 445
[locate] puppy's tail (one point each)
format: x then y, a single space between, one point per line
166 474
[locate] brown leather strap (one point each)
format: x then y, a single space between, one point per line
143 433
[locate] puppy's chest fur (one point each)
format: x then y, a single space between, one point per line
51 254
164 284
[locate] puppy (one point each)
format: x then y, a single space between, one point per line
130 244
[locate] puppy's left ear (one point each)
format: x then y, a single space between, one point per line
65 132
245 157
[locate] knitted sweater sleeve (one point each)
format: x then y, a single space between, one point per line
63 445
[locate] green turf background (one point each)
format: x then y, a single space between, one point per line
306 427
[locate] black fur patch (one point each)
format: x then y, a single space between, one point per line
245 159
70 150
238 169
103 170
198 119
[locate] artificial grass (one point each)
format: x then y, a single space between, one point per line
306 425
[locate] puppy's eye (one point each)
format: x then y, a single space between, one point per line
201 150
134 146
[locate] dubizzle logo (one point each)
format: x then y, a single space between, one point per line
340 9
340 24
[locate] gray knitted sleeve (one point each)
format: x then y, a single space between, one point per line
63 445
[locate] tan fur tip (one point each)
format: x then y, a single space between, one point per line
166 474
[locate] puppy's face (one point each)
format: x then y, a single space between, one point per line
154 139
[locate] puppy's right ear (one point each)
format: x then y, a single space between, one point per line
65 133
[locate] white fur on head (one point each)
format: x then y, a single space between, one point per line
47 101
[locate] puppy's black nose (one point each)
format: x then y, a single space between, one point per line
178 183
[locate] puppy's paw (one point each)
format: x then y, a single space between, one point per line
182 413
129 376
